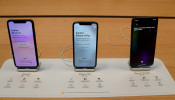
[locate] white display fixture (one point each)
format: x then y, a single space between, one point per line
112 78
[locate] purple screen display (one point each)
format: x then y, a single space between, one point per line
23 44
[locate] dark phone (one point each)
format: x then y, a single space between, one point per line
85 36
23 43
143 41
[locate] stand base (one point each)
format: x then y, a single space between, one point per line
28 69
144 68
84 70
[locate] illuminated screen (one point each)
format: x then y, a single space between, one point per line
85 42
23 44
143 41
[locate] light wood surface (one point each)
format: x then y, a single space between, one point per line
54 33
161 8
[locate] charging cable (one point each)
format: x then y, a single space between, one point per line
121 35
65 59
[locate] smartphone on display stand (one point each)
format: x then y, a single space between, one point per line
143 42
85 37
23 44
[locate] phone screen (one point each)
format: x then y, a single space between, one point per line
22 42
85 44
143 41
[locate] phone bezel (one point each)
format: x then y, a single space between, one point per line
34 39
85 23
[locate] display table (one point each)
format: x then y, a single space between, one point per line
112 78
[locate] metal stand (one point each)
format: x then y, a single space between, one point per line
84 70
143 68
29 69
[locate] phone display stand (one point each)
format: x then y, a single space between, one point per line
84 70
112 78
29 69
143 68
